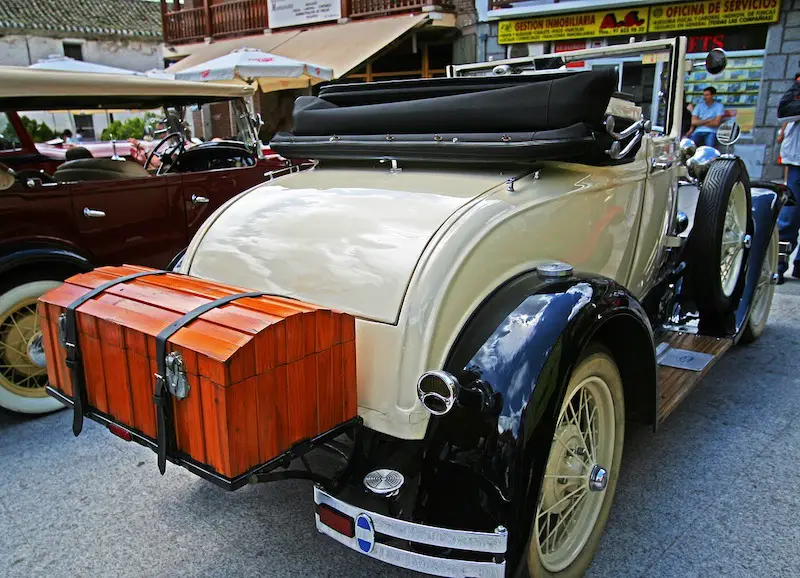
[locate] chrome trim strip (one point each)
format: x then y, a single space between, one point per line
494 543
420 562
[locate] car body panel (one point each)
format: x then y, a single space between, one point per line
460 243
144 219
216 186
333 237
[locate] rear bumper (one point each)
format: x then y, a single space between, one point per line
474 545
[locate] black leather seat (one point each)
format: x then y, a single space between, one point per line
78 153
99 170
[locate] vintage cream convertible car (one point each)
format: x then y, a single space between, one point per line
531 264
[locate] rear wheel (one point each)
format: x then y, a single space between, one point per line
23 373
765 290
581 473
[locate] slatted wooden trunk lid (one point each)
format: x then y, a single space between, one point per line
264 373
675 384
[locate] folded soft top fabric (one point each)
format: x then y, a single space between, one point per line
541 104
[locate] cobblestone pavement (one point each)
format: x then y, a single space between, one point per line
713 493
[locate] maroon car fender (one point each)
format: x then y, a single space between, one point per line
38 255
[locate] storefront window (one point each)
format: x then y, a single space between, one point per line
737 86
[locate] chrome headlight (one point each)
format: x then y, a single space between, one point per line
687 148
698 165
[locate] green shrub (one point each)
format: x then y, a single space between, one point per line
39 132
131 128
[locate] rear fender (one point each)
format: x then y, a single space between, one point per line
513 359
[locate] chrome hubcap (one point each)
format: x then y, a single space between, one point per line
734 239
598 479
36 351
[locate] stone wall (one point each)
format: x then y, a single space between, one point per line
21 50
780 65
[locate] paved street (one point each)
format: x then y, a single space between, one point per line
713 493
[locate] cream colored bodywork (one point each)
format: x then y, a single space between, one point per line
18 82
412 254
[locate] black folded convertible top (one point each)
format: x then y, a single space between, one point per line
519 118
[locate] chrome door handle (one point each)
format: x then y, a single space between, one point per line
93 213
198 200
660 165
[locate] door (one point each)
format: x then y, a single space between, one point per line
135 221
658 211
205 191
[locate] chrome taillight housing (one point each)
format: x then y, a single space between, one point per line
437 391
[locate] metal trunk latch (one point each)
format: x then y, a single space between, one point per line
177 383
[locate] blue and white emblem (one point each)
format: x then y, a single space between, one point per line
365 533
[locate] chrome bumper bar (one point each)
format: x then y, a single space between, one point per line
493 543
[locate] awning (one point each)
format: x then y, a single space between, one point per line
341 47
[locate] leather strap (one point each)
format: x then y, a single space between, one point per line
165 438
73 357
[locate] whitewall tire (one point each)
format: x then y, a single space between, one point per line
23 375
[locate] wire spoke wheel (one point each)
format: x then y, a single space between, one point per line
764 292
582 458
22 368
735 229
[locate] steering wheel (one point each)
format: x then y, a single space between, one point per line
165 166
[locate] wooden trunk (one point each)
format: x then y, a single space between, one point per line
264 373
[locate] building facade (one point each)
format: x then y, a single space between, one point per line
761 38
360 40
123 34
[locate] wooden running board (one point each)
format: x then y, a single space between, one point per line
675 384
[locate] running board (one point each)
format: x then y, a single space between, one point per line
683 359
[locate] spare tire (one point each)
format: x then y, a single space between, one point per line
720 239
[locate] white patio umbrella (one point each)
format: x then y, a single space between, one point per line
158 73
67 64
249 65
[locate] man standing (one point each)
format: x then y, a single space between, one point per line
706 117
789 139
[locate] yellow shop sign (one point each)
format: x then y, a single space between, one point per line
625 21
568 26
711 14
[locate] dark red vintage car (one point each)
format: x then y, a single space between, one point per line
62 216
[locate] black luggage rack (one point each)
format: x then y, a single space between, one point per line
273 470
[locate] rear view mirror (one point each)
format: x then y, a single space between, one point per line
728 132
716 61
7 178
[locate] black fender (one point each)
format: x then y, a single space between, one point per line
23 258
767 201
176 261
485 459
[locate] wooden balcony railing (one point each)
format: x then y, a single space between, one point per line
362 8
238 17
242 17
188 25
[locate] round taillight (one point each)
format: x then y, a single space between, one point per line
437 390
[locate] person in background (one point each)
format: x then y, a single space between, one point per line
66 136
706 117
78 136
789 139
